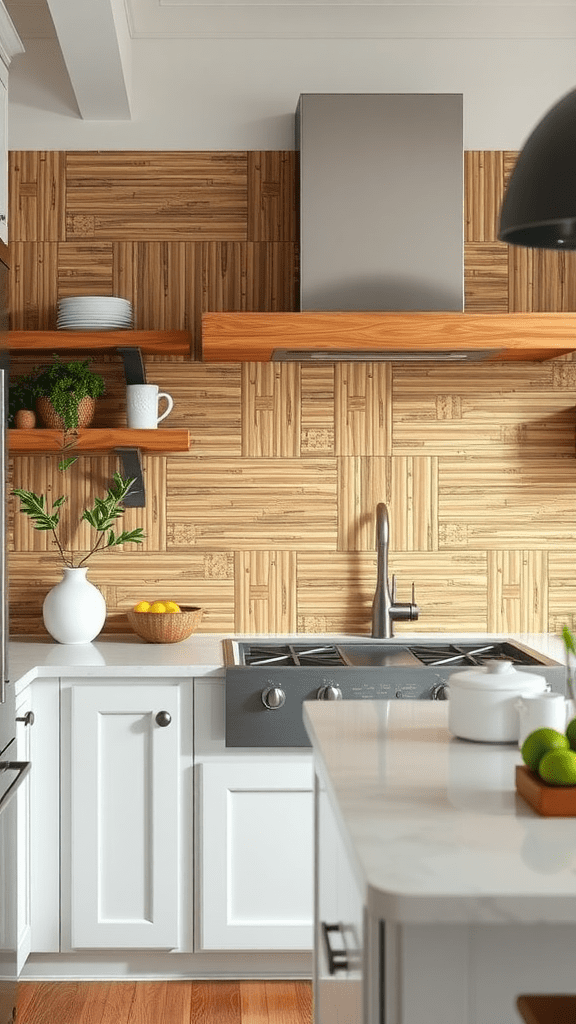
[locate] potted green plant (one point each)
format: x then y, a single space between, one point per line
74 610
66 392
22 395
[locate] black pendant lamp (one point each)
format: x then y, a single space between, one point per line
539 208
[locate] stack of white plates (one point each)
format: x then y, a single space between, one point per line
94 313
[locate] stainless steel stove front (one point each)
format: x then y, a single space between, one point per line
267 681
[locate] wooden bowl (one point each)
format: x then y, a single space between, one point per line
165 627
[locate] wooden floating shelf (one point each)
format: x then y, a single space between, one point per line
233 337
174 343
42 441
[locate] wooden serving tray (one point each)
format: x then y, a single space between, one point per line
550 801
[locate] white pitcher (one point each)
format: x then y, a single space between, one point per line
540 711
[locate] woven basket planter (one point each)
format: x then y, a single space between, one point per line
165 627
49 418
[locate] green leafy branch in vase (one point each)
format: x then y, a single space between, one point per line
101 517
570 645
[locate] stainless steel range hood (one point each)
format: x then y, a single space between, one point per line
381 202
382 247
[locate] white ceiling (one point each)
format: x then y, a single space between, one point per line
100 34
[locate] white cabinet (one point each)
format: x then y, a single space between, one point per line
10 45
122 867
24 722
254 851
338 925
256 854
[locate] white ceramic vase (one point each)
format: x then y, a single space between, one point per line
74 610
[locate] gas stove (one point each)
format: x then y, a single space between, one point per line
267 680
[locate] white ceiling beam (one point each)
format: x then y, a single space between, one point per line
96 47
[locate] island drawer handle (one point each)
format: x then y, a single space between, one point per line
337 958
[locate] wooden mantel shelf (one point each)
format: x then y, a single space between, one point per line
174 343
254 337
41 440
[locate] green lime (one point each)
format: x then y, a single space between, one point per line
539 742
571 733
558 767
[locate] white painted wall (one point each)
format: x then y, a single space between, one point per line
241 94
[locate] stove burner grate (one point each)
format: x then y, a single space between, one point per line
293 654
457 654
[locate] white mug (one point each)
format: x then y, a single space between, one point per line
540 711
142 406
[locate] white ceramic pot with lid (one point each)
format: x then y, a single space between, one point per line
482 701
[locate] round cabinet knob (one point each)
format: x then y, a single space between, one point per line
439 692
28 718
329 692
163 718
273 698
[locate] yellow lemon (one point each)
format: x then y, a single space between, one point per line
558 767
142 606
171 606
157 606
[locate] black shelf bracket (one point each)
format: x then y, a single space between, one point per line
134 369
132 470
135 373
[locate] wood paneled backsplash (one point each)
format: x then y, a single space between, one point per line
268 522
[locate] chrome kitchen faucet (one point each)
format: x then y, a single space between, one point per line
385 608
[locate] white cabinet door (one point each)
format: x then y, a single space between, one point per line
24 724
124 854
256 855
3 154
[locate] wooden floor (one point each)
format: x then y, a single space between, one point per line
165 1002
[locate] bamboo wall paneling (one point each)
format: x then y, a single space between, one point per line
517 591
254 504
335 592
271 407
155 196
362 483
483 192
208 400
516 410
486 276
414 503
561 589
85 269
268 520
529 504
272 214
363 408
317 389
37 196
126 578
265 593
224 276
520 279
271 277
33 285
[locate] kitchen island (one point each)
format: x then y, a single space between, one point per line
459 896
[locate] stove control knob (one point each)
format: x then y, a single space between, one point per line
329 692
439 692
273 698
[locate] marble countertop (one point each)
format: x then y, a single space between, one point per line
434 828
200 655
